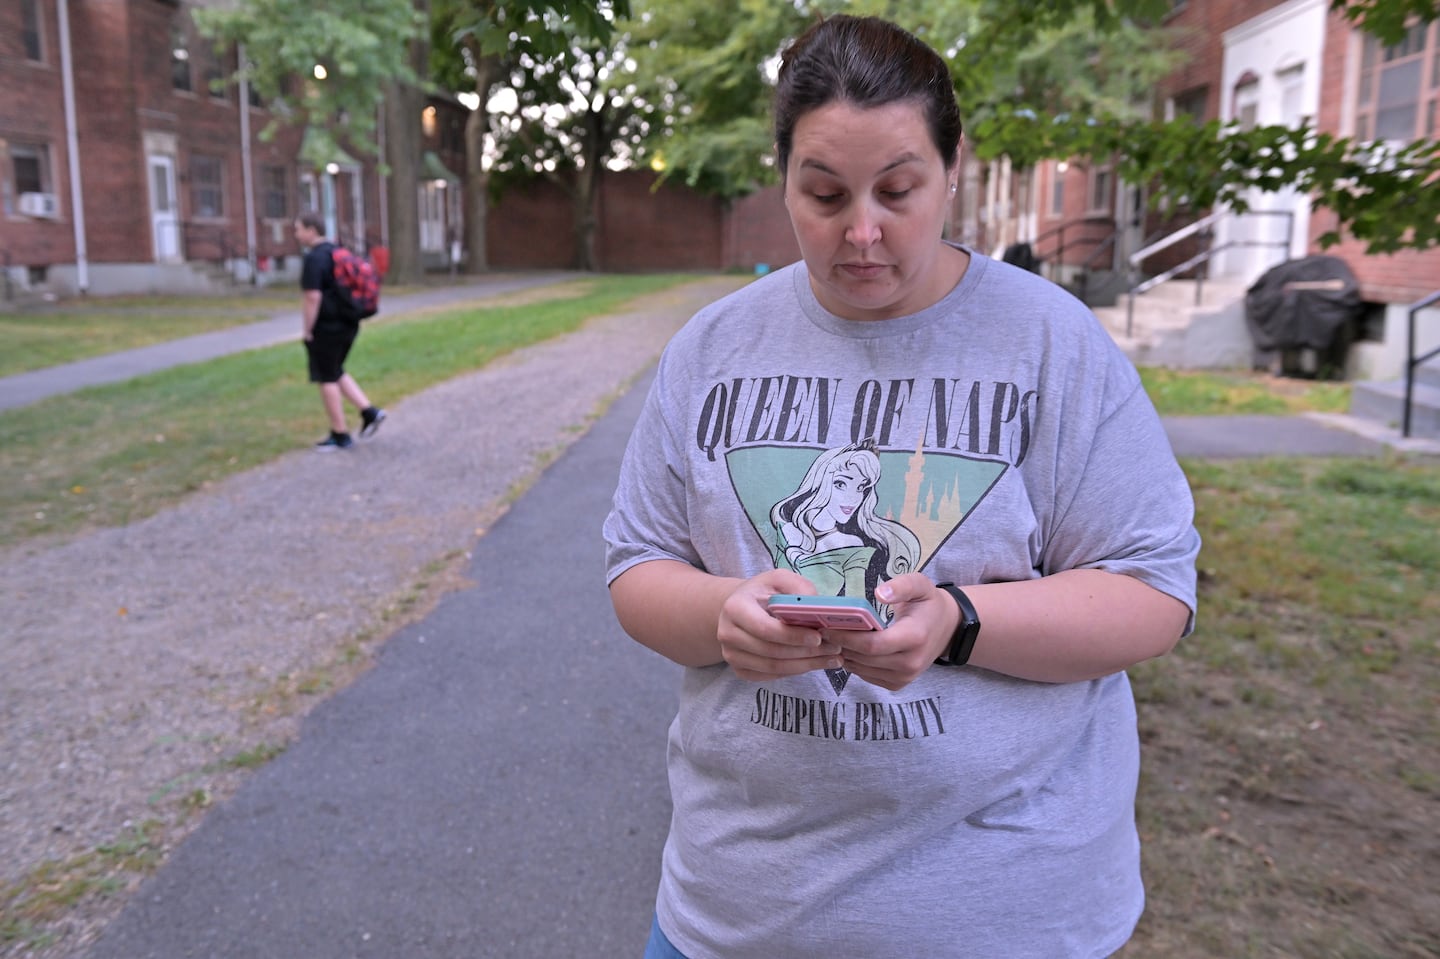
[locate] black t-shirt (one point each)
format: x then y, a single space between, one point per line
317 272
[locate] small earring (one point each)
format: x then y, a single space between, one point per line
952 188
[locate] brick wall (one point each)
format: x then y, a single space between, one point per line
758 231
112 92
1403 277
640 229
32 112
643 229
531 228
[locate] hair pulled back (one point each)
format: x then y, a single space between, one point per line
313 220
867 62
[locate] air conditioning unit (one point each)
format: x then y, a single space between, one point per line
42 205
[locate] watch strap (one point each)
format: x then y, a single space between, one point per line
966 631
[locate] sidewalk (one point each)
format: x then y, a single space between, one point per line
23 389
493 787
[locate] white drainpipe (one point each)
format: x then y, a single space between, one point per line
72 151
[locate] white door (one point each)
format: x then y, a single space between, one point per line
1270 78
164 209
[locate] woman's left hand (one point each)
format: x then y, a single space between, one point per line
925 619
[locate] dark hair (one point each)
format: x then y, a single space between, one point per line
868 62
312 220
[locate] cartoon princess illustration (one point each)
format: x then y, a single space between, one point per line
830 532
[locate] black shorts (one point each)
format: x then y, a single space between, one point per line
327 349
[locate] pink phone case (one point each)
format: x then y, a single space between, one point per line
824 612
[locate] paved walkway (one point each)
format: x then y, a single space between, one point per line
493 787
23 389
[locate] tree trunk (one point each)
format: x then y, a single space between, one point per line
403 149
586 183
402 152
583 197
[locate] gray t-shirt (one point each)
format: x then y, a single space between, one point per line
999 435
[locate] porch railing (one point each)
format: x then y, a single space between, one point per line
1412 361
1203 230
1091 224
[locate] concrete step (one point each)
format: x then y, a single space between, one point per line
1384 402
1166 328
1099 288
1428 374
1187 292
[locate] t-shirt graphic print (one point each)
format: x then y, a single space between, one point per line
849 517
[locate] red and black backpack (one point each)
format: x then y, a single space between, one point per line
357 285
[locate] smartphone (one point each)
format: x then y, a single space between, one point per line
824 612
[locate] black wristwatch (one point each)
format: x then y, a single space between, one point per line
963 642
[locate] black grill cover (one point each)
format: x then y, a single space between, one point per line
1304 303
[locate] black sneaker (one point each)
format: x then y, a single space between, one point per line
333 442
372 419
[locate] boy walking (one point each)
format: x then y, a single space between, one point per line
328 335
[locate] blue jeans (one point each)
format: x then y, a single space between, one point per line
659 947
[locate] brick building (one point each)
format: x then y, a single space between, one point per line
1257 62
174 183
122 169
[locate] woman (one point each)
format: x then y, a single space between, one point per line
982 805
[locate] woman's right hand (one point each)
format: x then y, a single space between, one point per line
760 647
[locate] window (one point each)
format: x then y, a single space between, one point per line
1190 104
1057 189
26 170
1102 189
452 134
207 198
1398 87
1247 101
213 74
179 59
30 29
274 182
30 168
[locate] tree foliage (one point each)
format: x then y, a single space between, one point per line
713 68
573 114
1387 19
708 66
479 44
1044 79
362 46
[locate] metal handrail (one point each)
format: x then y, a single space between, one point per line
1200 227
1086 265
1059 232
1412 361
1184 233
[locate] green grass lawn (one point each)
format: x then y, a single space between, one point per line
37 338
117 453
110 455
1222 393
1290 787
